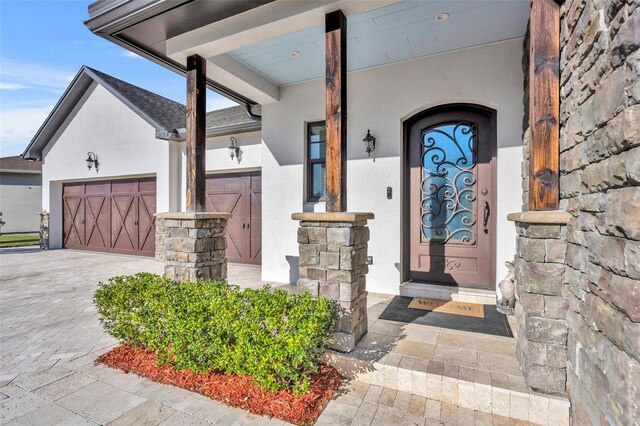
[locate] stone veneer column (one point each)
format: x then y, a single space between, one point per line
44 230
333 264
192 245
541 302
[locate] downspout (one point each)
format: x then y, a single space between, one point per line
251 114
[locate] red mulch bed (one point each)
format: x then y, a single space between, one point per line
230 389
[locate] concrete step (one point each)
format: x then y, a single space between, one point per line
475 389
441 292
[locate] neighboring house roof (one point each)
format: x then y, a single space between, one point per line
17 164
166 116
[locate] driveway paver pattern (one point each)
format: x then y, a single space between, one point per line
50 337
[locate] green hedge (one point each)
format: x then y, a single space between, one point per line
272 336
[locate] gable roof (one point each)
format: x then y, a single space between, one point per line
167 117
163 112
18 164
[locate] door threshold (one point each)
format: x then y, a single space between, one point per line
444 292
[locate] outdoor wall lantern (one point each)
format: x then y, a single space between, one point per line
371 143
92 159
234 150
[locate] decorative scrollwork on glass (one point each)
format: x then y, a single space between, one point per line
449 183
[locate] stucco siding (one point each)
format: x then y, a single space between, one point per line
125 144
218 159
20 201
380 99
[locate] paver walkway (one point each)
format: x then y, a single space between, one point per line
50 337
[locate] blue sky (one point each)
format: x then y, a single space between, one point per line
43 44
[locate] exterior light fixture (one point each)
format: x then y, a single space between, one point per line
92 159
442 17
371 143
234 149
294 54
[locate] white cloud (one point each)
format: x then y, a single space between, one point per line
129 54
215 102
18 125
12 86
23 74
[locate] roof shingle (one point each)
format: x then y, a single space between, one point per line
18 163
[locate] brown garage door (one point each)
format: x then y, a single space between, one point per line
115 216
239 194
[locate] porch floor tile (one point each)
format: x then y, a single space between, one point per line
461 375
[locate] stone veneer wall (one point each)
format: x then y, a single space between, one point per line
333 264
599 187
541 303
600 174
192 245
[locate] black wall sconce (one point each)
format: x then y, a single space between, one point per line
92 159
234 150
370 140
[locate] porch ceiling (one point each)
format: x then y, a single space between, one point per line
248 43
397 32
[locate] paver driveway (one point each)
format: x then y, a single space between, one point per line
50 337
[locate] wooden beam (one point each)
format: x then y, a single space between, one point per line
544 105
336 89
196 139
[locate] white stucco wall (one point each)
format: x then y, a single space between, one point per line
125 144
380 99
20 201
218 159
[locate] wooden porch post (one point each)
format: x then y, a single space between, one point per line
544 105
336 88
196 142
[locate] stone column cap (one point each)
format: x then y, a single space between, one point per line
332 216
192 215
548 217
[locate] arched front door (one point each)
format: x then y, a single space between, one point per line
451 195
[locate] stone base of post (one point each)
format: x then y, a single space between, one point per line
44 230
333 264
541 302
192 245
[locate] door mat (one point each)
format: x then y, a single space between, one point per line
448 307
493 322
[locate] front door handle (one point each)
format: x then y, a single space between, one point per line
485 221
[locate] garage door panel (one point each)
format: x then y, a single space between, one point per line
96 188
116 216
255 250
123 229
238 194
97 222
73 227
256 183
146 225
73 189
147 185
224 201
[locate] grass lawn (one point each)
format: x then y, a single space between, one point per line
19 240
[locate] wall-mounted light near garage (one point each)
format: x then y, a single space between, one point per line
370 140
234 150
92 160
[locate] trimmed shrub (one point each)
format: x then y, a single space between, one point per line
274 337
